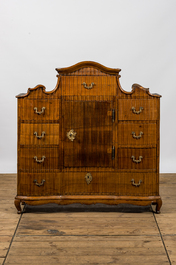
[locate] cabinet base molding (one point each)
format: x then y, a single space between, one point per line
86 199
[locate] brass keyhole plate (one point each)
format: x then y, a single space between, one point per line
88 178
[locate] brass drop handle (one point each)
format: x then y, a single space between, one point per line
135 160
39 137
39 184
136 184
39 161
88 87
137 137
137 111
39 112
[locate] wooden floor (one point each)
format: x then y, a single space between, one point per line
96 234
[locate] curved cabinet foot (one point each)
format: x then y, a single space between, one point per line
17 205
158 205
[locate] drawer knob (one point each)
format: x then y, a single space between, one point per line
39 137
135 160
39 184
137 137
88 178
39 161
136 184
39 112
137 111
71 135
88 87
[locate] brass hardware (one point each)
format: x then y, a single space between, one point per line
113 152
137 111
88 87
39 184
136 184
71 135
113 115
39 112
88 178
39 161
137 137
135 160
39 137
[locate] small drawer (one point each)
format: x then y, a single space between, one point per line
38 109
39 159
89 85
138 184
138 109
39 134
38 184
136 134
136 159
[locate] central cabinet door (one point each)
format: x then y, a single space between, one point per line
87 134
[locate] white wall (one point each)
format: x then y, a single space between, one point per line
138 36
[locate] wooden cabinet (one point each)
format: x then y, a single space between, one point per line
88 141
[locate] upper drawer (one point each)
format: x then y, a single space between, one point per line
89 85
39 134
138 109
38 109
135 134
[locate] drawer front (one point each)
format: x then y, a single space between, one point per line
138 109
39 134
89 85
137 159
38 184
136 134
106 183
38 109
39 159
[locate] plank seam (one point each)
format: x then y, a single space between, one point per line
162 240
12 239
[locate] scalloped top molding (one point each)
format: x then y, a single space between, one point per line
95 65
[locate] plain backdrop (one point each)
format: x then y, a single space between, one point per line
36 36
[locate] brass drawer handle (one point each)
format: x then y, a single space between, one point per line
88 87
135 160
137 111
39 184
71 135
39 137
39 161
137 137
39 112
136 184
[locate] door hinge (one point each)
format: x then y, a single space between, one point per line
113 152
113 115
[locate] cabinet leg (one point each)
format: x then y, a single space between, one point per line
17 205
158 205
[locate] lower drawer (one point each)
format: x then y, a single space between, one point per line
87 183
39 159
36 184
137 159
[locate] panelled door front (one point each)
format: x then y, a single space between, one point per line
87 133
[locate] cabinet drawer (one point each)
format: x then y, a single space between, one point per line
107 183
137 159
138 109
38 109
39 134
39 159
38 184
136 134
89 85
138 184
